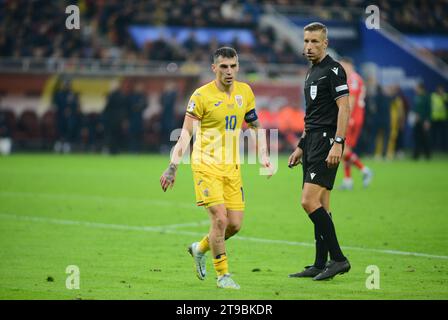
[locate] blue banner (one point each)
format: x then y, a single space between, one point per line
142 34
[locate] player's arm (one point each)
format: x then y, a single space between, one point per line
255 126
169 175
354 91
335 154
262 145
351 100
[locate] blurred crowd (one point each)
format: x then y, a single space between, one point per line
35 29
410 16
390 119
120 127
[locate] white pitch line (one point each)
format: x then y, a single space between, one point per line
169 227
187 224
97 198
111 199
172 230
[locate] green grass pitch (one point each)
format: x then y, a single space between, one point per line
109 217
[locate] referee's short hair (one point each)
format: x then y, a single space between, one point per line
225 52
316 26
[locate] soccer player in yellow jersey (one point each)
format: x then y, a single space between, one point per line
218 110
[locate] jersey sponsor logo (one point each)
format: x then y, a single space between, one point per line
313 92
335 70
239 100
312 174
217 103
191 106
340 88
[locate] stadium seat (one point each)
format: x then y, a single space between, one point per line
151 135
48 129
10 120
28 134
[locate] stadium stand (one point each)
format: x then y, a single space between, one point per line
149 41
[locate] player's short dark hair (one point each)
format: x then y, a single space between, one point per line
347 59
225 52
316 26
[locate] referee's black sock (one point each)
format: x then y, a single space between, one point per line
324 224
321 249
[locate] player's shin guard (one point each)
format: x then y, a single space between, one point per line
220 264
321 218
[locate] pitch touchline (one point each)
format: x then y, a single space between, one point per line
96 198
164 228
172 229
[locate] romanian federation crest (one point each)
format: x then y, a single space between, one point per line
239 100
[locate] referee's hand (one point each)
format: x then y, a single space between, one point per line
334 156
295 158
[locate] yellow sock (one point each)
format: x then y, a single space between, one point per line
204 245
221 266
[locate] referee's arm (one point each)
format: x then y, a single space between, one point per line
335 154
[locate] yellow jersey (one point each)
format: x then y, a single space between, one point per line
216 146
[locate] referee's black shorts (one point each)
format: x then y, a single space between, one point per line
316 148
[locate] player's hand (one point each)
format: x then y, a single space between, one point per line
168 177
295 158
334 156
266 163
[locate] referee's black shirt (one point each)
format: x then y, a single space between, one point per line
325 82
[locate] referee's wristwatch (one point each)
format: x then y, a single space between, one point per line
339 140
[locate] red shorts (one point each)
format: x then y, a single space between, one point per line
353 133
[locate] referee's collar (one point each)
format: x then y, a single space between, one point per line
324 61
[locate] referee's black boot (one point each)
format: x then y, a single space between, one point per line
309 272
332 269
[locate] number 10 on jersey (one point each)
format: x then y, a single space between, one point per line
230 122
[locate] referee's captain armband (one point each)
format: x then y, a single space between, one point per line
250 116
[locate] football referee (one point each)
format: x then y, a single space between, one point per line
320 149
